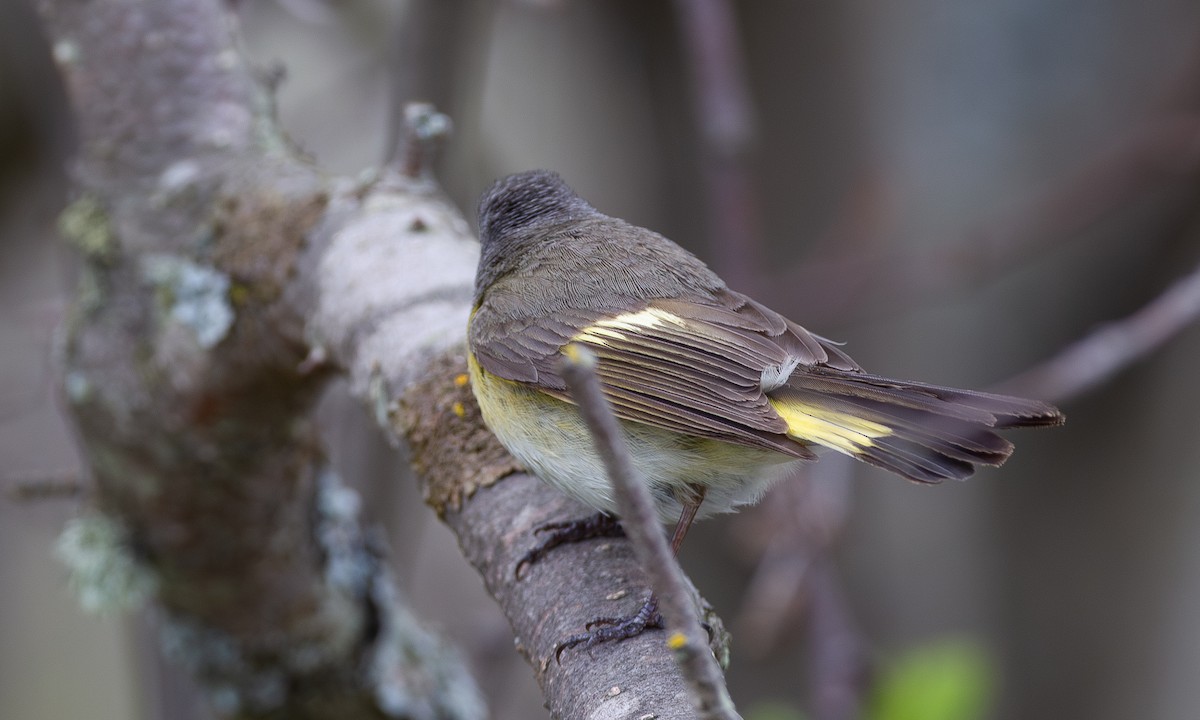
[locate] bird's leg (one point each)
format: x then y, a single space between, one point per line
571 531
607 629
690 508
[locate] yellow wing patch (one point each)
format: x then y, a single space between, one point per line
628 322
835 430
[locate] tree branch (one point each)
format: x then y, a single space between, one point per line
472 483
181 372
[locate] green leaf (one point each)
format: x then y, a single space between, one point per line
947 680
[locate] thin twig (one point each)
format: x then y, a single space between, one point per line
427 52
1107 351
45 486
685 635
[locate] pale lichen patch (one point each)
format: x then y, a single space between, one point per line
104 573
195 296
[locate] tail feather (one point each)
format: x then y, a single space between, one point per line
923 432
915 462
990 409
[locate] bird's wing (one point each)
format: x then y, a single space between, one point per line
696 368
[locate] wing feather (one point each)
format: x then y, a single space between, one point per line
691 367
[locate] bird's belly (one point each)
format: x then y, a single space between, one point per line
549 437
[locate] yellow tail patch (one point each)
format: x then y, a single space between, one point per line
835 430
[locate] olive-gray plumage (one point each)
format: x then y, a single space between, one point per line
681 352
554 251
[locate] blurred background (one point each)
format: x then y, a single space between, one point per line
957 190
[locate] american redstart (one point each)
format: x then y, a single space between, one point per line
718 395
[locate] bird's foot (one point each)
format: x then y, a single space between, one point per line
610 629
571 531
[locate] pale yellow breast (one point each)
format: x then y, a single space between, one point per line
548 436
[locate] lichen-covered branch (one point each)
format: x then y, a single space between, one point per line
223 280
184 375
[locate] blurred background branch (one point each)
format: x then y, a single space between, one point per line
1097 358
724 117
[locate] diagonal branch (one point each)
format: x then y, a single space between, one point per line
1099 356
493 510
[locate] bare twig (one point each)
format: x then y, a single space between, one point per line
723 110
685 634
425 131
1096 358
45 486
427 52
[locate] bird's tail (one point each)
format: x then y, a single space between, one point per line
924 432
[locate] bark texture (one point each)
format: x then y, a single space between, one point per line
495 511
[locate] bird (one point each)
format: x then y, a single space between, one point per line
718 396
